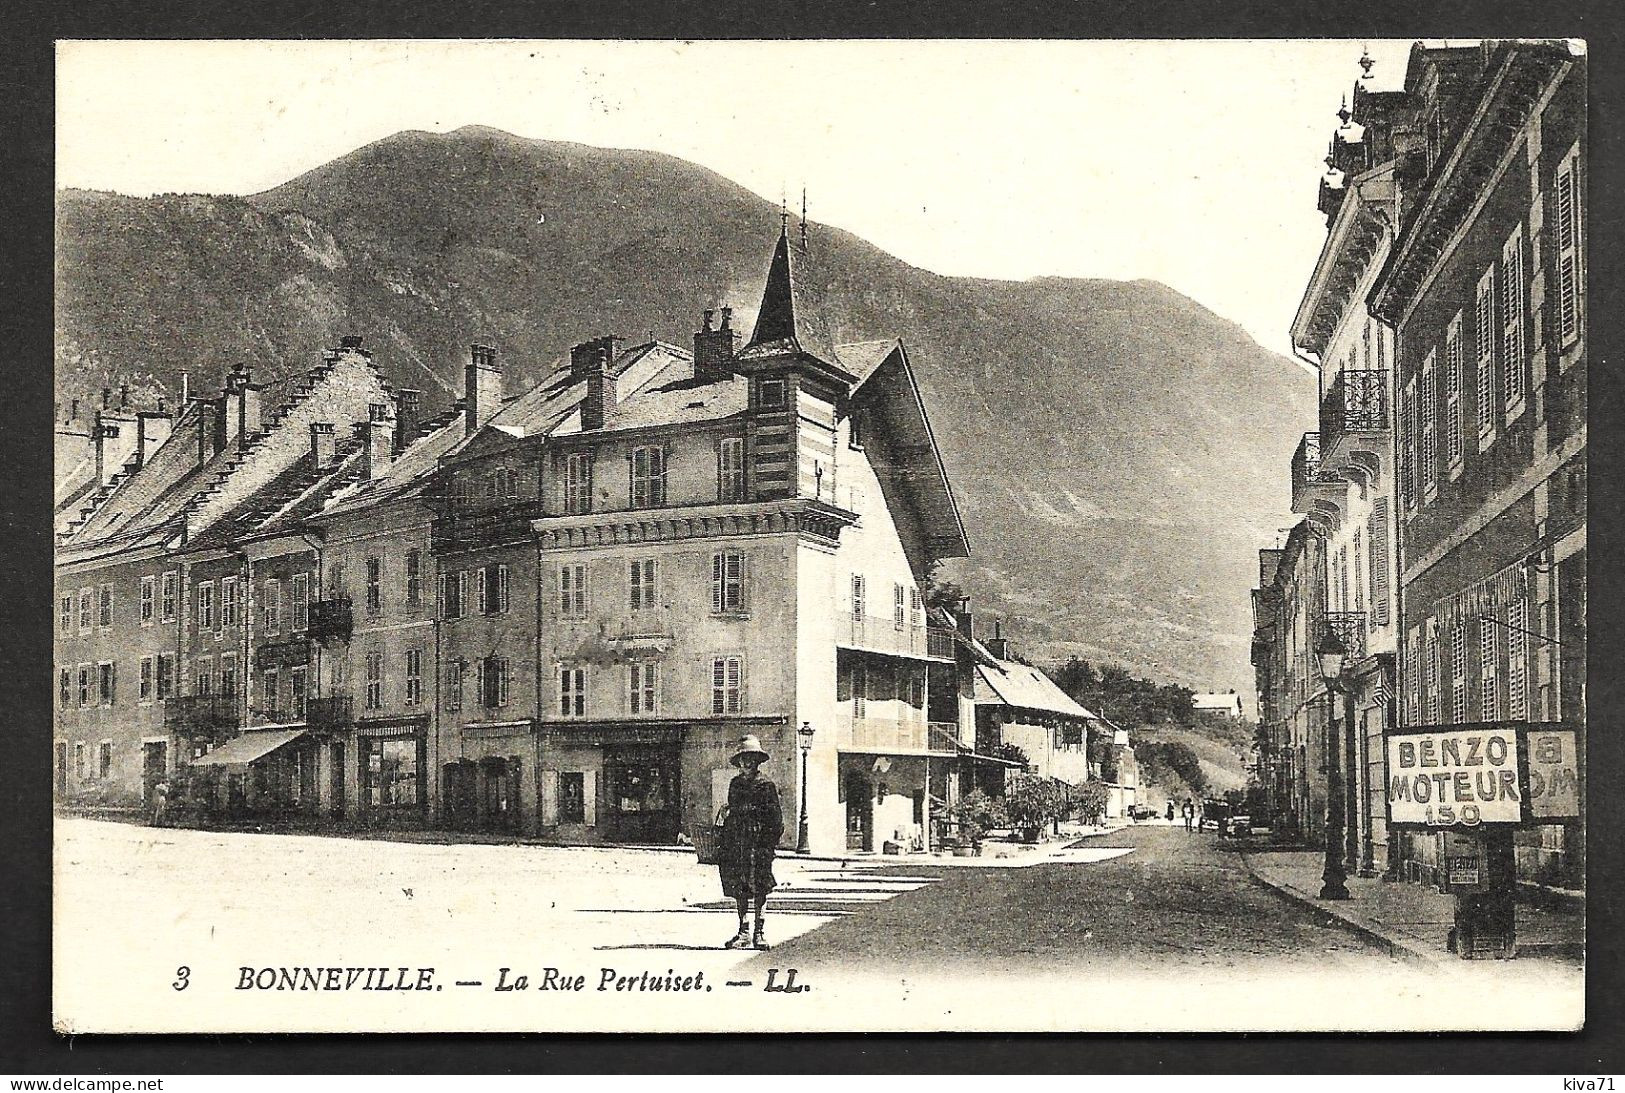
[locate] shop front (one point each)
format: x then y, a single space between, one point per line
392 766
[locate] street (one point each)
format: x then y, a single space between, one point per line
1149 927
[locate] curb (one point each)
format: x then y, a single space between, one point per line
1401 950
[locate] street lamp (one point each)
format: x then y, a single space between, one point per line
1333 657
805 735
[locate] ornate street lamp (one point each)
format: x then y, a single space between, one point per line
805 739
1333 657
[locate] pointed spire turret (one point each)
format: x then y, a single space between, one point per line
790 322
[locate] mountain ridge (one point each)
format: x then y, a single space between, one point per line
1115 445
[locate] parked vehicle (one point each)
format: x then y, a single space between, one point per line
1238 826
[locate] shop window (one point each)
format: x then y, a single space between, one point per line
392 772
572 797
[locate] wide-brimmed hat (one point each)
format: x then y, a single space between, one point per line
749 745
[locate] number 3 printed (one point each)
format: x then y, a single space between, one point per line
183 978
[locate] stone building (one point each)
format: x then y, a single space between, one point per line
1485 286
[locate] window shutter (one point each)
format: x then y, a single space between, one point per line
744 582
440 596
502 681
589 798
550 798
1427 456
479 680
462 593
719 701
1568 249
1512 315
479 591
736 680
716 583
1377 540
502 587
1452 392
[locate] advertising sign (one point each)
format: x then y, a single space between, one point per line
1505 773
1553 766
1463 774
1464 861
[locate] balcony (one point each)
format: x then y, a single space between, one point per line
1353 415
880 634
1315 491
282 651
330 620
330 712
274 715
208 714
892 736
1350 627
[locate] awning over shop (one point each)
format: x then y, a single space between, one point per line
251 745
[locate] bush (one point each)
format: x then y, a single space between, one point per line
975 814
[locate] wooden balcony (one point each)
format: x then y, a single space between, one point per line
208 714
894 736
881 634
329 712
280 652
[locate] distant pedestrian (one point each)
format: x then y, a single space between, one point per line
1190 815
751 827
1170 810
160 804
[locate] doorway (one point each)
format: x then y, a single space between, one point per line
644 793
154 765
860 814
336 777
501 794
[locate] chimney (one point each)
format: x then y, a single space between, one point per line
152 428
714 349
997 644
186 386
241 406
599 405
74 416
406 417
107 398
482 387
584 357
115 443
377 440
324 444
211 427
123 396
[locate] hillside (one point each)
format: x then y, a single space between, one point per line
1119 451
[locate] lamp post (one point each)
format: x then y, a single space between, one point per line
1333 657
804 738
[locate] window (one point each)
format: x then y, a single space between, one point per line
104 683
1566 219
1484 347
143 687
273 606
727 685
64 683
491 589
79 760
335 580
297 676
455 670
916 609
167 586
578 482
641 584
1518 661
1458 671
67 613
104 606
336 669
648 477
453 594
728 583
375 588
414 578
374 693
1453 428
270 691
166 675
573 590
414 676
104 760
643 686
572 797
230 599
1489 630
391 772
1428 452
85 595
492 680
857 597
731 469
1342 578
299 602
1432 668
1407 445
771 392
1512 340
205 606
855 430
1359 572
501 482
203 677
899 607
860 687
572 691
1413 676
228 674
149 605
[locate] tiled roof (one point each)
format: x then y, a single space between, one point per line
1025 687
863 358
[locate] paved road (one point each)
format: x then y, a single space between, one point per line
1176 901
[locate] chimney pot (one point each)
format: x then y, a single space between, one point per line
727 318
482 387
107 397
124 396
377 436
406 417
323 444
707 324
714 349
601 398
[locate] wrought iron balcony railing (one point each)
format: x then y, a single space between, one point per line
329 711
1356 402
282 651
330 619
1350 627
1309 477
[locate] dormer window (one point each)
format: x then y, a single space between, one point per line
770 392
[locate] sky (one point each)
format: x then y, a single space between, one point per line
1187 162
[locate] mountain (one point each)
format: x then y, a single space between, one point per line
1119 451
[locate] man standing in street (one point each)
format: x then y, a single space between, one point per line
1190 814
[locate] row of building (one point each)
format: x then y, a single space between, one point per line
1443 496
553 613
